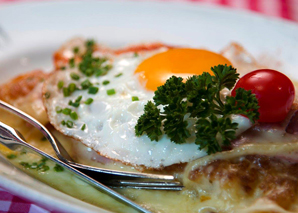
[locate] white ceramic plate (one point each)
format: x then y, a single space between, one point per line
36 29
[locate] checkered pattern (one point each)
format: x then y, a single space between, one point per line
287 9
14 204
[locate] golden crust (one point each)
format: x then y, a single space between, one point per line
24 92
21 85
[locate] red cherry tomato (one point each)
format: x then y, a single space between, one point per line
274 91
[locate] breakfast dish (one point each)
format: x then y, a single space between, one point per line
233 149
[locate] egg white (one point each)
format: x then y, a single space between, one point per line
110 120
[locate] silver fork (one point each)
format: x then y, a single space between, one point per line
13 140
112 178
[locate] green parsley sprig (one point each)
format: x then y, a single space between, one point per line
199 98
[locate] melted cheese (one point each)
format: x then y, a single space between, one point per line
200 196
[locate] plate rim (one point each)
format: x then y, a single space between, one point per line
186 4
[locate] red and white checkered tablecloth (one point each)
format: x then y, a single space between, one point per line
287 9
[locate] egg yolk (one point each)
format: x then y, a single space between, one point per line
182 62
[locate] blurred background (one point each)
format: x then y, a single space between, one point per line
287 9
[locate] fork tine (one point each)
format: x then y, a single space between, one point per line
147 185
103 175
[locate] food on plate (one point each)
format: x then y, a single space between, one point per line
188 112
25 93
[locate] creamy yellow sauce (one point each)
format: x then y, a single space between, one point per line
187 200
62 181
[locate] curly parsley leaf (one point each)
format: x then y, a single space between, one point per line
150 122
244 103
175 125
225 76
173 88
198 97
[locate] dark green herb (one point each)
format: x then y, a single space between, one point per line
72 63
11 156
66 111
72 87
76 103
43 138
60 84
86 84
92 90
74 76
134 98
58 109
58 168
111 92
74 115
118 75
69 124
105 82
47 95
40 165
199 97
89 101
103 70
66 91
76 50
83 127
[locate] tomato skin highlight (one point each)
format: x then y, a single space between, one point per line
275 93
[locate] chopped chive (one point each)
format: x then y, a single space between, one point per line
93 90
103 70
43 138
58 109
11 156
72 63
86 84
47 95
66 91
134 98
89 72
83 127
76 50
74 104
74 76
66 111
33 165
79 98
74 115
23 152
25 164
111 92
69 124
89 101
58 168
100 71
63 122
118 75
60 84
62 68
90 43
72 87
135 54
105 82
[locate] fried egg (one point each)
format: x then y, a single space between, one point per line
107 125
